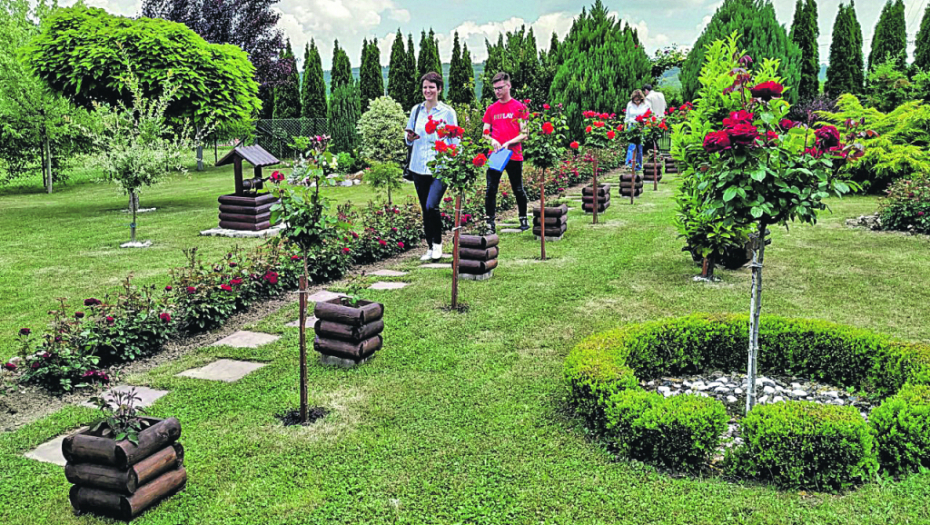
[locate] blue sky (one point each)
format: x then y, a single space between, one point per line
660 22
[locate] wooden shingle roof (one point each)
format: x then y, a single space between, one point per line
254 155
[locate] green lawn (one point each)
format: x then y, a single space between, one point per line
67 244
461 417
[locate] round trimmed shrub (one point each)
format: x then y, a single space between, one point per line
901 426
805 445
679 432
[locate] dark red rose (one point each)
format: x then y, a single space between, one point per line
226 288
813 152
400 245
598 124
738 117
165 317
271 277
787 123
233 265
10 366
235 282
382 242
611 134
110 320
588 129
91 302
191 289
716 141
827 137
743 134
345 249
431 126
545 106
771 136
767 90
168 288
573 145
479 160
25 331
78 315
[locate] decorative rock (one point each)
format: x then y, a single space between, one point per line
438 266
778 399
700 386
664 390
225 370
799 393
763 400
721 389
768 390
50 451
737 391
331 360
796 386
511 230
476 277
381 285
731 399
136 244
715 384
388 273
832 393
324 295
246 339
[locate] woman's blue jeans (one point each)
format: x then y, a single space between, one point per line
429 192
638 148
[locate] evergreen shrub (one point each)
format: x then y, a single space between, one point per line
901 426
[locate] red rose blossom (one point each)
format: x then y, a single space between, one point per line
345 249
400 245
25 331
168 288
226 288
598 124
382 242
10 366
738 117
827 137
611 134
573 145
547 128
431 126
78 315
91 302
716 141
487 132
588 129
165 317
191 289
787 123
767 90
271 277
743 134
277 177
441 146
479 160
545 106
235 282
110 320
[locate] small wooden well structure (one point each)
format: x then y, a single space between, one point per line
246 209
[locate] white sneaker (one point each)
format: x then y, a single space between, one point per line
437 251
428 255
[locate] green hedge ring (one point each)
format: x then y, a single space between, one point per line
834 448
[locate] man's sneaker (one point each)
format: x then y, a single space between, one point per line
491 229
524 224
428 255
437 252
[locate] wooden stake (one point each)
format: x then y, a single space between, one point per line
633 178
595 186
455 251
655 168
303 345
542 216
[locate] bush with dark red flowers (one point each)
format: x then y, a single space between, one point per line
717 141
767 90
906 206
743 134
827 137
91 302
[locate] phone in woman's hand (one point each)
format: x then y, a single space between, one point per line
411 135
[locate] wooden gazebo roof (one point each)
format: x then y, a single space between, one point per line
254 155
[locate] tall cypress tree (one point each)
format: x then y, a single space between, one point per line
371 83
313 101
435 61
922 49
344 112
890 37
804 33
458 77
760 33
423 61
398 76
845 73
413 87
287 94
604 62
493 65
341 74
469 75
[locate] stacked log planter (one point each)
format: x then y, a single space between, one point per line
556 223
587 198
650 171
248 213
120 479
670 166
628 184
347 335
478 256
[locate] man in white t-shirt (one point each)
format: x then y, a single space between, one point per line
656 101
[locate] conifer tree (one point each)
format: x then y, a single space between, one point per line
890 37
760 34
922 49
344 112
804 33
470 75
845 73
458 77
287 93
371 82
341 74
604 62
398 87
493 65
413 87
313 91
423 60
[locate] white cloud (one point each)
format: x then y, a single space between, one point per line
117 7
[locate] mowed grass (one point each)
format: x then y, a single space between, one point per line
67 244
461 418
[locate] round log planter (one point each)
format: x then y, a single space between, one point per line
670 166
478 256
119 479
587 198
627 182
556 223
650 171
348 332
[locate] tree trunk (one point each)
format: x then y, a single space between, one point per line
542 216
304 402
595 186
48 163
215 153
755 307
707 269
133 207
199 152
455 251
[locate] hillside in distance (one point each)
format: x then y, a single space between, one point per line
479 71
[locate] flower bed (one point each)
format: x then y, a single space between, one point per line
605 368
907 205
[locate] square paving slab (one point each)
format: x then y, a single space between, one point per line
246 339
296 323
147 395
50 451
223 370
381 285
388 273
511 230
324 295
436 265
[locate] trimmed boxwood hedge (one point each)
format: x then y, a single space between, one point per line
805 445
901 426
607 364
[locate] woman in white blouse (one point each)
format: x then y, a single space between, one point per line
430 189
637 106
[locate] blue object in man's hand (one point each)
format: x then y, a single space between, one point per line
498 161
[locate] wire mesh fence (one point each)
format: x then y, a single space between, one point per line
275 134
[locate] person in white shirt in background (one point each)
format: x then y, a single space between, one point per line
636 107
657 102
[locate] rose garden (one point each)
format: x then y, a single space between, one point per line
735 331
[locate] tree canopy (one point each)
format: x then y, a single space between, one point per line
845 73
890 37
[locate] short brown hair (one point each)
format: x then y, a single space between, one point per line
500 77
637 94
432 77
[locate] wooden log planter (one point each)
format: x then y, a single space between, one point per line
670 166
556 222
348 332
650 171
478 256
627 182
587 198
119 479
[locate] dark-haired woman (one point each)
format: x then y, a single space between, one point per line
430 189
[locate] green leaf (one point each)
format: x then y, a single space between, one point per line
756 212
729 194
758 174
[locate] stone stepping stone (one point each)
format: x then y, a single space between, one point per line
324 295
437 266
226 370
388 273
381 285
511 230
50 451
246 339
296 323
147 395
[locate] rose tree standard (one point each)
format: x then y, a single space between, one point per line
761 173
544 148
458 161
598 136
302 211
